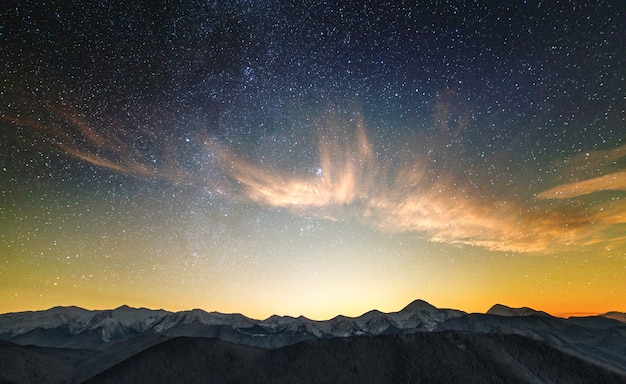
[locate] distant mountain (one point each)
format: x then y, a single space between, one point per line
604 345
503 310
599 322
619 316
72 327
98 340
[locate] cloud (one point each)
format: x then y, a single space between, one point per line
602 163
346 174
615 181
107 145
598 221
402 196
395 191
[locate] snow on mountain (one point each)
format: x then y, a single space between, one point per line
601 337
376 322
202 317
305 325
417 315
123 320
236 320
186 317
420 314
503 310
342 326
74 319
84 327
278 321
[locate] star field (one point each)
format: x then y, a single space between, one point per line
313 158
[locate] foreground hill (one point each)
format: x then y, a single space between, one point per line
446 357
29 364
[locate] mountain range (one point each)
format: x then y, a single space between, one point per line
71 344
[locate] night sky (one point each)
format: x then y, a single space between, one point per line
313 158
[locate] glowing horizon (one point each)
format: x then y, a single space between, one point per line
353 314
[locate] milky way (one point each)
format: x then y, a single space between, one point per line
311 158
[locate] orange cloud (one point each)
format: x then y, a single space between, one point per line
602 163
392 192
346 174
615 181
355 183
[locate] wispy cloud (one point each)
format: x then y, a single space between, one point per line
109 145
615 181
392 191
355 183
601 163
346 174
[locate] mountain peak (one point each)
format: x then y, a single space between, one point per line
503 310
419 305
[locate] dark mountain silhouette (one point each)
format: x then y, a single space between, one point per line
447 357
599 322
70 344
29 364
503 310
606 346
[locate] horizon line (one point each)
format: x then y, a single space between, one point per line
563 315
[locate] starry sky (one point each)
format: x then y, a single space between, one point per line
313 157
